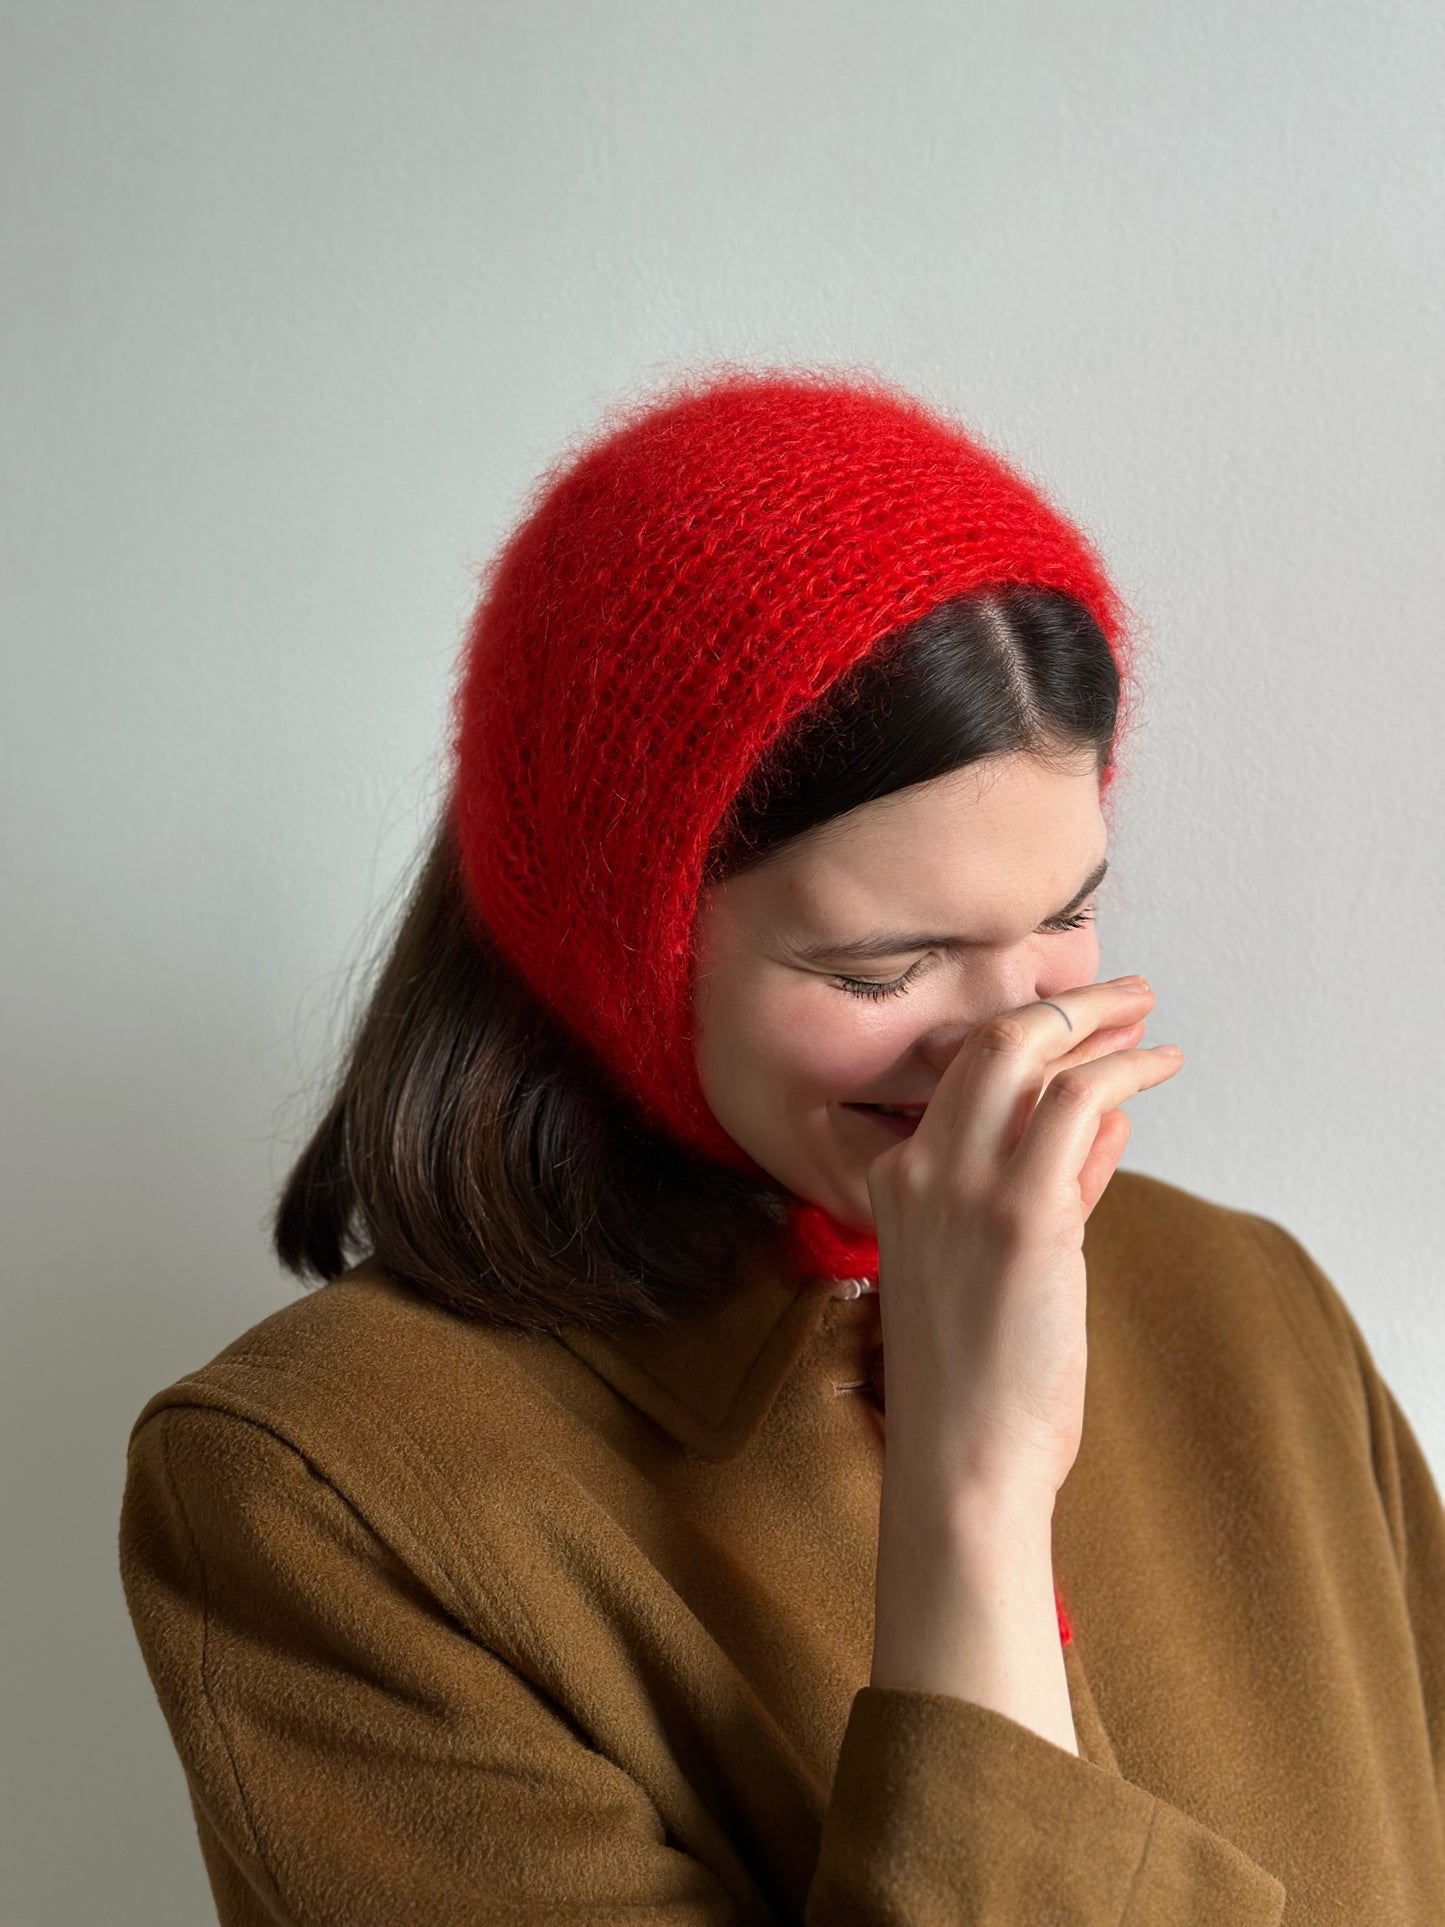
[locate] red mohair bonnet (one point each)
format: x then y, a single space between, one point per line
680 588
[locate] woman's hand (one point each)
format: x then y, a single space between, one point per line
980 1221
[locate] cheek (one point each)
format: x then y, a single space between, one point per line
827 1044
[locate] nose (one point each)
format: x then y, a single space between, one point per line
1009 984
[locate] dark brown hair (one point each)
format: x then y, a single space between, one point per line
481 1155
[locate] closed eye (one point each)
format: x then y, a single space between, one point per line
864 987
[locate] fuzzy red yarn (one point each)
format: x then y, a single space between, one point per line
679 589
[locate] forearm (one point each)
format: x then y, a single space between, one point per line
965 1605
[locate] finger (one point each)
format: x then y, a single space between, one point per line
1064 1124
1108 1038
1117 1037
1103 1159
987 1093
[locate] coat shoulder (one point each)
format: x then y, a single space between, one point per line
364 1367
1221 1279
1144 1222
1139 1211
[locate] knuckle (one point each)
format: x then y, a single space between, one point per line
911 1175
1005 1035
1070 1090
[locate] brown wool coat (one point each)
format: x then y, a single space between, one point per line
455 1628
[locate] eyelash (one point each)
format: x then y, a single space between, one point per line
861 987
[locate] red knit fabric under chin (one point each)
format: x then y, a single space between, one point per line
680 588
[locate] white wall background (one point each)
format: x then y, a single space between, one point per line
298 298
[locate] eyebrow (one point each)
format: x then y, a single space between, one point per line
887 943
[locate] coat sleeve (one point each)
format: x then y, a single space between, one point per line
356 1758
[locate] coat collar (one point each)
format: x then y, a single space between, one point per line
709 1376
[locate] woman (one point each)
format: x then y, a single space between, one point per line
565 1557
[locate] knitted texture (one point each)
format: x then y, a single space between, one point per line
680 588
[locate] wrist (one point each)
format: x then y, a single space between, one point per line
968 1503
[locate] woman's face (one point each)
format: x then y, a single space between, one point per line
794 1029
